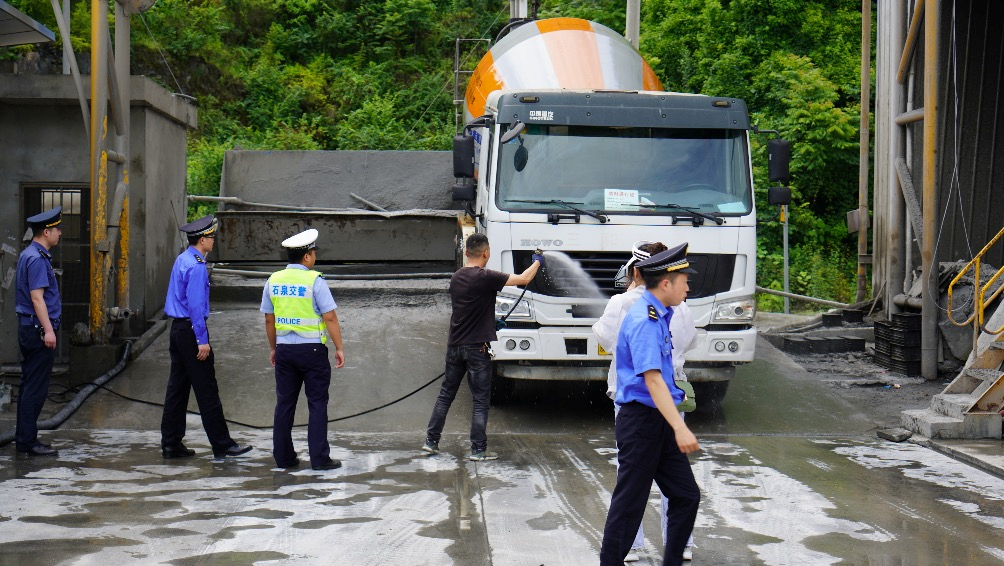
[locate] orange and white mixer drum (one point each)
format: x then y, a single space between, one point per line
558 53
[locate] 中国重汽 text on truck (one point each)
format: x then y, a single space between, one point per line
569 155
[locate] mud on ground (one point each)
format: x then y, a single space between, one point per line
880 393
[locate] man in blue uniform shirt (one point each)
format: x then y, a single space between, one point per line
192 359
652 438
298 308
38 307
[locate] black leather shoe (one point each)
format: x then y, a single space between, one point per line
40 450
331 464
177 451
235 450
294 464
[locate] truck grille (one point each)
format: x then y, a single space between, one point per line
714 273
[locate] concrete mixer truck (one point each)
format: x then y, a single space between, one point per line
571 145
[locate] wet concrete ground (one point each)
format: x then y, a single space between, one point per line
790 473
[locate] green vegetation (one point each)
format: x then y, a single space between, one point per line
341 74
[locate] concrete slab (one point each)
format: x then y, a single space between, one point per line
987 455
781 470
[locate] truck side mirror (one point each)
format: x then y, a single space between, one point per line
463 156
779 196
464 192
778 159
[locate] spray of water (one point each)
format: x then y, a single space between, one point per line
564 274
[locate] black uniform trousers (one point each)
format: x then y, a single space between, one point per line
36 371
189 374
647 451
296 366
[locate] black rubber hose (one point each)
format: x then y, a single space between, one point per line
59 418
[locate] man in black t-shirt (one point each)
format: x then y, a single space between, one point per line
472 327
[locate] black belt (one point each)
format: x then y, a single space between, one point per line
33 320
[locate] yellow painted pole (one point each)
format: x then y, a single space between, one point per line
122 290
929 312
99 167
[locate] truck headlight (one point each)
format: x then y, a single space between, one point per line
734 311
504 304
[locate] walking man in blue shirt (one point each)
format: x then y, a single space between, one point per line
652 439
38 307
192 360
298 308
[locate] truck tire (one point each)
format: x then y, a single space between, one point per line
710 394
503 389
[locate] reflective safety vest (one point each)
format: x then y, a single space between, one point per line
292 294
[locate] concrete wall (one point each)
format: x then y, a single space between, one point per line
396 180
42 140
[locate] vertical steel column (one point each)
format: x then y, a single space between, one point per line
929 314
866 57
122 71
632 25
892 20
99 163
67 52
69 59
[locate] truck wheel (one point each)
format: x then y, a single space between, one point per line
503 389
710 394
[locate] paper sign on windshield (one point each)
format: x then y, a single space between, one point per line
620 199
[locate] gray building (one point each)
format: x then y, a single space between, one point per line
44 158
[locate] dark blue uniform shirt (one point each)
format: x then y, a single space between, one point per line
34 271
188 292
644 343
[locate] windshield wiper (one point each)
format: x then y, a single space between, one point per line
716 218
601 217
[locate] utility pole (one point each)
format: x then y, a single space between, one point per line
517 10
863 223
632 26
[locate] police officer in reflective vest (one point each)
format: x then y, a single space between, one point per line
192 360
298 308
38 307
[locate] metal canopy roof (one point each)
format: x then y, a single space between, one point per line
18 29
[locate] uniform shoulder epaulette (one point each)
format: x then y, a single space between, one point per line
652 314
198 258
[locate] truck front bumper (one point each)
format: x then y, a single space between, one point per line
723 346
572 353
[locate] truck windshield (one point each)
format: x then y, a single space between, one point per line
625 170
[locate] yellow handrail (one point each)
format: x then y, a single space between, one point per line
979 299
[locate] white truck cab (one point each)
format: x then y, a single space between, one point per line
588 174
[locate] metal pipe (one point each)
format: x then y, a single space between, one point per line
911 41
897 229
67 53
64 34
99 167
242 202
368 203
911 239
115 157
910 196
910 117
929 314
123 141
784 248
359 277
67 411
632 26
114 93
866 57
906 301
801 297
